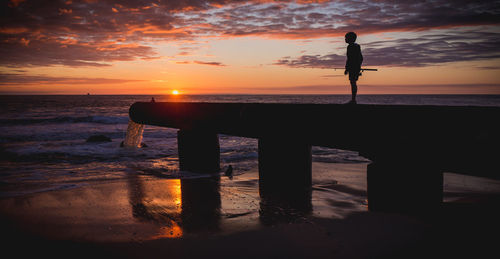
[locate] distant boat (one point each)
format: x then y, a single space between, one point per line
88 93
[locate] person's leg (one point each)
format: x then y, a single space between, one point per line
354 89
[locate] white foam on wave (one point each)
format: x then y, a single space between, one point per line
109 119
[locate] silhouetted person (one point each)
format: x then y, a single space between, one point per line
353 63
152 99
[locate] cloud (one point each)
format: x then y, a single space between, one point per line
428 49
381 89
208 63
97 33
334 18
330 76
21 79
490 67
183 53
81 33
47 52
217 64
313 61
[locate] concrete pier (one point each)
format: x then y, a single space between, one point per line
410 146
285 160
199 151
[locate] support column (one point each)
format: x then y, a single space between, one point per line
199 151
285 160
404 185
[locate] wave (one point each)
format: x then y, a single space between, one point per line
48 188
67 119
72 148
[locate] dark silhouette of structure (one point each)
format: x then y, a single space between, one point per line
410 146
353 63
200 204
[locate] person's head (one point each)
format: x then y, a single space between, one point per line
350 37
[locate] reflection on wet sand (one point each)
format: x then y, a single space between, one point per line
194 205
198 217
285 180
157 202
143 207
187 205
284 201
201 204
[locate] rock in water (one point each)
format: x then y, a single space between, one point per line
98 138
229 172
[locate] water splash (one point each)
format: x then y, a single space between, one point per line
133 137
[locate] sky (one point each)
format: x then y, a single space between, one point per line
247 47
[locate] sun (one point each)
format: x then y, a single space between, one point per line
175 92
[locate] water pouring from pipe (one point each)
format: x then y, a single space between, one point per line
133 137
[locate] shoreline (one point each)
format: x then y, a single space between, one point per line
144 203
148 217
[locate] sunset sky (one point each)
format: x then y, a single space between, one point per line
251 47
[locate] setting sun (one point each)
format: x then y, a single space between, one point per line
175 92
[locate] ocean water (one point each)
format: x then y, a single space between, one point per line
43 138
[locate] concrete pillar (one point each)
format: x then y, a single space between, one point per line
404 185
285 160
199 151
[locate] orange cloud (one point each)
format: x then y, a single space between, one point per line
83 26
21 79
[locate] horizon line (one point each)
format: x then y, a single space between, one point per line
248 94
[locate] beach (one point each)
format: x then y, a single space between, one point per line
145 217
249 129
63 196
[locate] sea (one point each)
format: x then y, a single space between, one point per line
43 143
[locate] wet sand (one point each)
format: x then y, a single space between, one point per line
146 216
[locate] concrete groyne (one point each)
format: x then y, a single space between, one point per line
410 146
